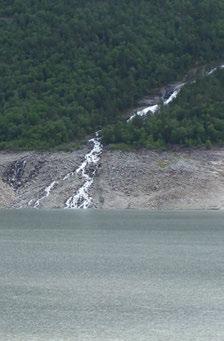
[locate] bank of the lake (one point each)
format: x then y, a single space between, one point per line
183 179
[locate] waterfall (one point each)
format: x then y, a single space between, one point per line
87 171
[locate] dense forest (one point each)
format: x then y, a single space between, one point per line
195 118
70 67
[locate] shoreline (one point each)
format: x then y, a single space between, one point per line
143 179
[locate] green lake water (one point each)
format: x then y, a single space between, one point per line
111 275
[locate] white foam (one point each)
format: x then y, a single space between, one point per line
174 94
82 198
152 109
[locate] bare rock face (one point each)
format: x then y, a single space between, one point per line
7 195
27 175
161 180
144 179
23 170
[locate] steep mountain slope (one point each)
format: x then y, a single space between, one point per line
101 178
68 68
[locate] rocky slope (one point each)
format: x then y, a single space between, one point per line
167 180
143 179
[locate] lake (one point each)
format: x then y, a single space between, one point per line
111 275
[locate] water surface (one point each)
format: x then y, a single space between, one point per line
111 275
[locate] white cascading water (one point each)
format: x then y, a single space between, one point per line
87 170
174 94
154 108
145 111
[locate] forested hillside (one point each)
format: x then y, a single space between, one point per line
195 118
68 68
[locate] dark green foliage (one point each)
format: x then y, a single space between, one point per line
70 67
195 118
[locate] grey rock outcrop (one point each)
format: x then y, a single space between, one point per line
144 179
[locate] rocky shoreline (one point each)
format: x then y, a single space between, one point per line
184 179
